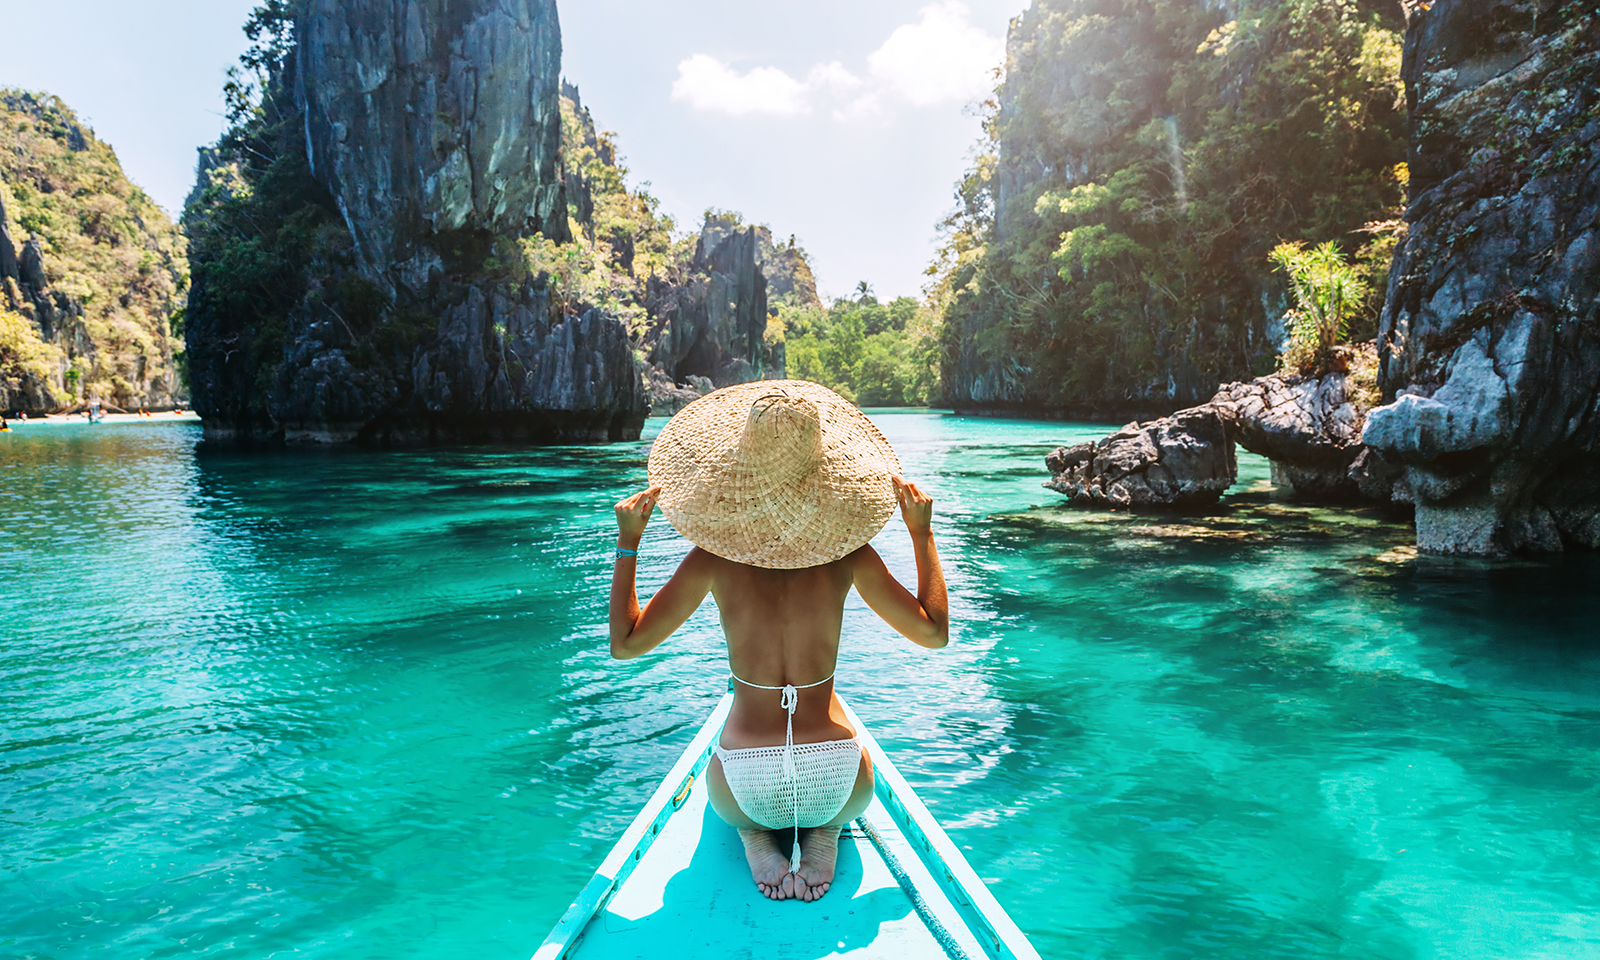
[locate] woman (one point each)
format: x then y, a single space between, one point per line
780 484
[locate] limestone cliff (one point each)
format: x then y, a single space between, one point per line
377 201
426 120
1109 252
711 320
696 306
92 272
1490 337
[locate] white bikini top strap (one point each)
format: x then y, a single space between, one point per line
786 686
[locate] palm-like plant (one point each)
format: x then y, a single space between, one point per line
1327 292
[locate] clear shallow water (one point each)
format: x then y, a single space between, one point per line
357 704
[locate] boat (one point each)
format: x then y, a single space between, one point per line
676 884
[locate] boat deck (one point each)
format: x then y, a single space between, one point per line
691 896
677 885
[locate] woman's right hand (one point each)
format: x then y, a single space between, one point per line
632 515
916 507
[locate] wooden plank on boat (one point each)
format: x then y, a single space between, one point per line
676 884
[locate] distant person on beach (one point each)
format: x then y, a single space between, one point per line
4 427
780 484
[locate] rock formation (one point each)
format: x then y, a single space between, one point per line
1490 337
788 271
712 322
429 147
1185 460
1310 428
424 120
91 270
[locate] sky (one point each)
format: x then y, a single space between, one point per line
842 123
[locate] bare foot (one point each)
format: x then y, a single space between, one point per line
768 867
817 856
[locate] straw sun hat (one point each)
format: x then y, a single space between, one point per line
777 473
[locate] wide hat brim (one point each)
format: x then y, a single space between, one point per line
751 513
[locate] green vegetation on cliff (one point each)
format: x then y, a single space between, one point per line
620 236
92 271
264 235
1142 160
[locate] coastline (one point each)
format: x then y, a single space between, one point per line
82 420
1111 415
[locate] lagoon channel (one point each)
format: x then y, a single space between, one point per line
358 704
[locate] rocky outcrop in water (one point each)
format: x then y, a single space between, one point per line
1185 460
429 139
1490 337
1310 425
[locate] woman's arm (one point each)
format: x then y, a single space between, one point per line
635 632
925 618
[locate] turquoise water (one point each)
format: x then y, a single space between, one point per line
358 704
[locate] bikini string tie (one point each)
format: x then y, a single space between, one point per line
789 701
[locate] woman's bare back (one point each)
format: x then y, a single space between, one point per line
783 628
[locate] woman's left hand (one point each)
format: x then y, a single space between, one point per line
632 515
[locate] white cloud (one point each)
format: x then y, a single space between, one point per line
709 84
941 58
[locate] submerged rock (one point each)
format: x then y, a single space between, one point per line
1489 342
1185 460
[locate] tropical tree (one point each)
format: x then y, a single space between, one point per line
1327 293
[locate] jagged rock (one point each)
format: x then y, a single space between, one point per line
713 323
425 118
1185 460
436 130
788 273
1489 343
1310 428
667 398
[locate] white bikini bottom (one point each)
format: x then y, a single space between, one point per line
799 785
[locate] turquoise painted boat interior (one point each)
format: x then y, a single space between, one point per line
676 884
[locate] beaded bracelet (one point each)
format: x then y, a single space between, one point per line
625 552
